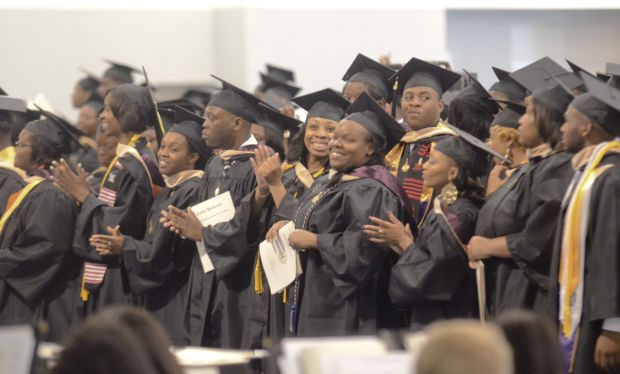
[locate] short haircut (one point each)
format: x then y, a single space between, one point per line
464 347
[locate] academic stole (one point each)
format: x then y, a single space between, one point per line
455 225
574 235
304 224
305 177
16 199
95 272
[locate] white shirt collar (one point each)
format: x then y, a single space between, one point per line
251 141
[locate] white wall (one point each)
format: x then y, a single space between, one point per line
510 39
42 50
320 44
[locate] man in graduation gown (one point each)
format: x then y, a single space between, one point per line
585 281
420 85
218 296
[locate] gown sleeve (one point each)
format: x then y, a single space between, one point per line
349 257
150 262
31 261
133 201
434 267
541 195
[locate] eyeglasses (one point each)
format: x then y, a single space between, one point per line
19 145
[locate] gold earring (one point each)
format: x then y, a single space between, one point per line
507 153
449 194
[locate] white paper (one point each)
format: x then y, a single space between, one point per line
205 260
292 349
210 212
215 210
279 260
17 344
349 361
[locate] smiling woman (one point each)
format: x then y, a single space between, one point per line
343 281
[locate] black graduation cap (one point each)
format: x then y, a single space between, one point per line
370 72
467 151
540 74
613 70
513 90
325 103
119 72
365 111
199 98
3 92
276 90
189 125
12 104
236 101
417 72
556 97
510 115
182 102
601 104
577 69
477 96
59 134
90 83
272 118
280 73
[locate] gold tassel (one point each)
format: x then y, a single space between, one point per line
258 278
84 292
284 296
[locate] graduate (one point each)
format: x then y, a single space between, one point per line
504 139
343 286
39 276
367 75
586 258
114 76
158 266
506 88
85 90
279 73
515 229
272 127
125 196
432 278
87 123
278 93
107 141
473 110
218 296
12 112
12 120
420 85
309 159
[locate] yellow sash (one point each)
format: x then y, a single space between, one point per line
133 141
574 235
22 194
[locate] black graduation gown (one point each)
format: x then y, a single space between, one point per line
343 288
10 182
432 278
601 294
217 301
265 314
158 266
126 201
525 209
406 165
36 263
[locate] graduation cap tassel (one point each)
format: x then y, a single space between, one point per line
258 278
160 129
